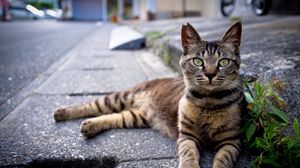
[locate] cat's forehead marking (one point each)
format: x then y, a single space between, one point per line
211 48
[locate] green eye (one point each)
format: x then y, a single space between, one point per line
198 61
224 62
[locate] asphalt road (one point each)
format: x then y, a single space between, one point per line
28 48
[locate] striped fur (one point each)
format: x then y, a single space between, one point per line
210 109
141 106
201 109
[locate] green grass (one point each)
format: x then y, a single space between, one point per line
157 34
166 55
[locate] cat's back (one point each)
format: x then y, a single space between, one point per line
160 99
167 94
164 89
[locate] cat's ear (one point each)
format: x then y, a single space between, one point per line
189 37
232 37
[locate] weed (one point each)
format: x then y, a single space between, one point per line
153 35
266 128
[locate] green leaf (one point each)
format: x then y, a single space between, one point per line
270 162
250 131
255 162
296 127
279 113
259 89
261 143
290 144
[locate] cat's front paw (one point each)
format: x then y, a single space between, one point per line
88 128
60 115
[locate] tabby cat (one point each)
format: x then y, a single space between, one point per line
202 109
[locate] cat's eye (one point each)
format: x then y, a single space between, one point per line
224 62
198 61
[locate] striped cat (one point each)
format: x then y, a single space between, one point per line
202 109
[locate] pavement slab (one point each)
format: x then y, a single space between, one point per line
103 72
29 134
163 163
23 43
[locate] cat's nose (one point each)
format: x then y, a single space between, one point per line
210 75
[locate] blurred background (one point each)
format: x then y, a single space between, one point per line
142 10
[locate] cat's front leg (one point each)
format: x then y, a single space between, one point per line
131 118
188 142
227 154
188 153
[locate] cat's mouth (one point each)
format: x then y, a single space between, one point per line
213 86
214 82
210 85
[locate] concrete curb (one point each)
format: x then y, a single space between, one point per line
126 38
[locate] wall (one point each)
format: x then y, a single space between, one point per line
175 8
169 8
143 10
193 7
209 7
87 9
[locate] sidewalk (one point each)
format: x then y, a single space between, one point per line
30 138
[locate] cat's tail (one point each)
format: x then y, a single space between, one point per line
112 103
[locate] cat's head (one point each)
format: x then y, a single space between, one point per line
211 64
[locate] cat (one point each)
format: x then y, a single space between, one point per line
201 109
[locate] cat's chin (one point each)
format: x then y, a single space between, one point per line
212 87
